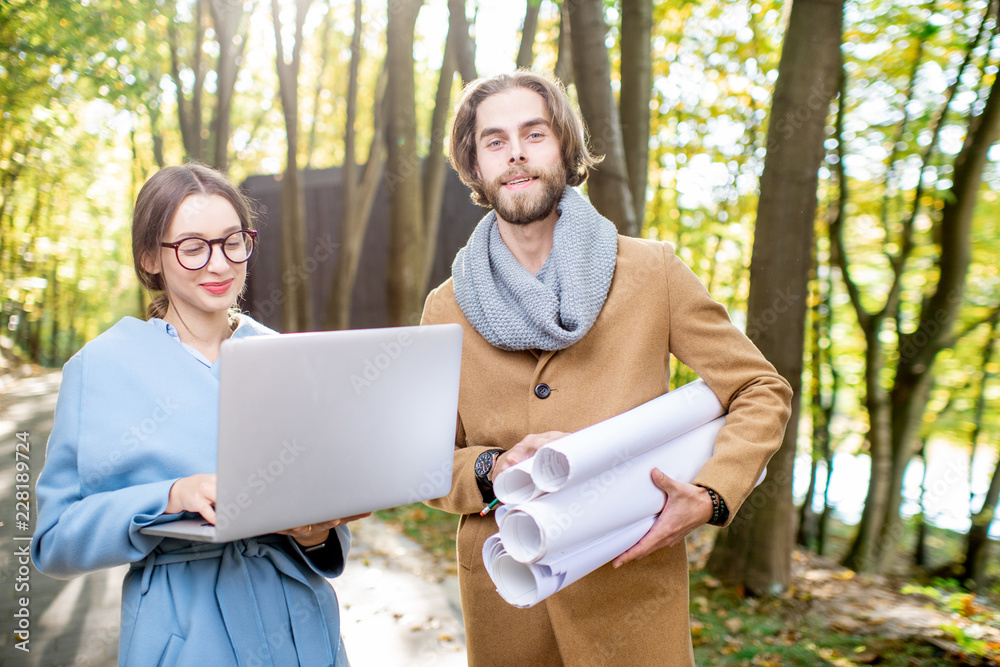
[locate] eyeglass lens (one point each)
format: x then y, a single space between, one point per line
194 253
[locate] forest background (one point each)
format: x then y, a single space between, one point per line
828 169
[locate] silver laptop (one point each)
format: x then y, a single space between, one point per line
319 426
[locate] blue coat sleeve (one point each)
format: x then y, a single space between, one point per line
76 532
330 561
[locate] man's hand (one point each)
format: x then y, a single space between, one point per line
523 451
686 507
193 494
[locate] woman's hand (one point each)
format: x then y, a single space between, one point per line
317 533
193 494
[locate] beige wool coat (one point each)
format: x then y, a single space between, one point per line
637 614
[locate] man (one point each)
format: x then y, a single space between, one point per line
567 324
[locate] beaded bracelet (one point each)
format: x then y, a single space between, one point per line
720 513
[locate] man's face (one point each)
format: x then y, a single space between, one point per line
518 156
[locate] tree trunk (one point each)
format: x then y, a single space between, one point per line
357 197
755 552
811 529
977 542
297 307
226 17
637 87
403 168
52 307
806 535
189 112
864 553
326 56
608 185
564 48
525 53
920 547
435 165
414 193
824 518
828 404
465 47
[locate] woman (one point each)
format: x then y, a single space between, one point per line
135 429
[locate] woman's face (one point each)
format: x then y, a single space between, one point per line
213 288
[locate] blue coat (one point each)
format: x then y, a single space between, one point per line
136 412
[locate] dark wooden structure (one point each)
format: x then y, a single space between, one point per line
265 282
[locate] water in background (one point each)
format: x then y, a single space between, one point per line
946 497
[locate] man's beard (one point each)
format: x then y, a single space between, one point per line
523 208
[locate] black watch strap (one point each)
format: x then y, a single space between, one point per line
483 478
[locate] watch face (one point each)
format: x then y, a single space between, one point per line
484 463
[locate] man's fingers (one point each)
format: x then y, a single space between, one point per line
642 548
662 481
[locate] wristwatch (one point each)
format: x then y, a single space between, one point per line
482 468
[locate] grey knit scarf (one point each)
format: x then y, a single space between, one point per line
551 310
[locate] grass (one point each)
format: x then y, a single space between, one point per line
730 630
432 529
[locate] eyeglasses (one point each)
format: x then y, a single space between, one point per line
194 253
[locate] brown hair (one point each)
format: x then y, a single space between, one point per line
565 122
155 208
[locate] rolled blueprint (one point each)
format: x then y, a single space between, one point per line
527 584
580 456
620 495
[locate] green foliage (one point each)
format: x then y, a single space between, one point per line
728 629
948 596
433 529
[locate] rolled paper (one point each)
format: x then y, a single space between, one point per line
515 484
526 584
580 456
619 495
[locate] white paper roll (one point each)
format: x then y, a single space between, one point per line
581 455
620 495
515 484
525 585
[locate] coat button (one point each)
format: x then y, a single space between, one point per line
542 390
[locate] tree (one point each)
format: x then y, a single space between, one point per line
227 17
823 400
608 185
297 307
358 195
755 551
189 111
464 45
977 541
564 48
637 86
415 190
895 412
525 53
